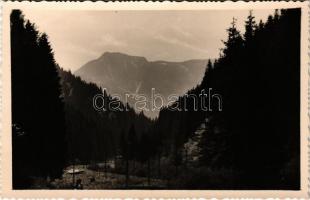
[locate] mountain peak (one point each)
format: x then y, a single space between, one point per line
125 74
118 55
108 53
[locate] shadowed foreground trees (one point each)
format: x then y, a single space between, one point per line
54 122
257 134
37 109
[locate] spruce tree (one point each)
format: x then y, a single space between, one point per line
36 106
250 26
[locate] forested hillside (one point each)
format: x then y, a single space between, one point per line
256 135
38 118
92 135
54 122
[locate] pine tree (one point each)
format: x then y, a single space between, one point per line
41 113
250 27
132 142
209 65
251 136
234 37
233 44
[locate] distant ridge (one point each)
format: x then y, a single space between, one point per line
120 73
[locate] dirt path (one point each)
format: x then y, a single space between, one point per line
99 180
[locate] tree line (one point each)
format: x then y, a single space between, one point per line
38 119
256 136
53 121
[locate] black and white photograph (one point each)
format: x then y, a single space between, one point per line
156 99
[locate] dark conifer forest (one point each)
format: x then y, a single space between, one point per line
38 118
253 142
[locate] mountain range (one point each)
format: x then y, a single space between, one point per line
124 74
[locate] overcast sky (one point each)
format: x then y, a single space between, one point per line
80 36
